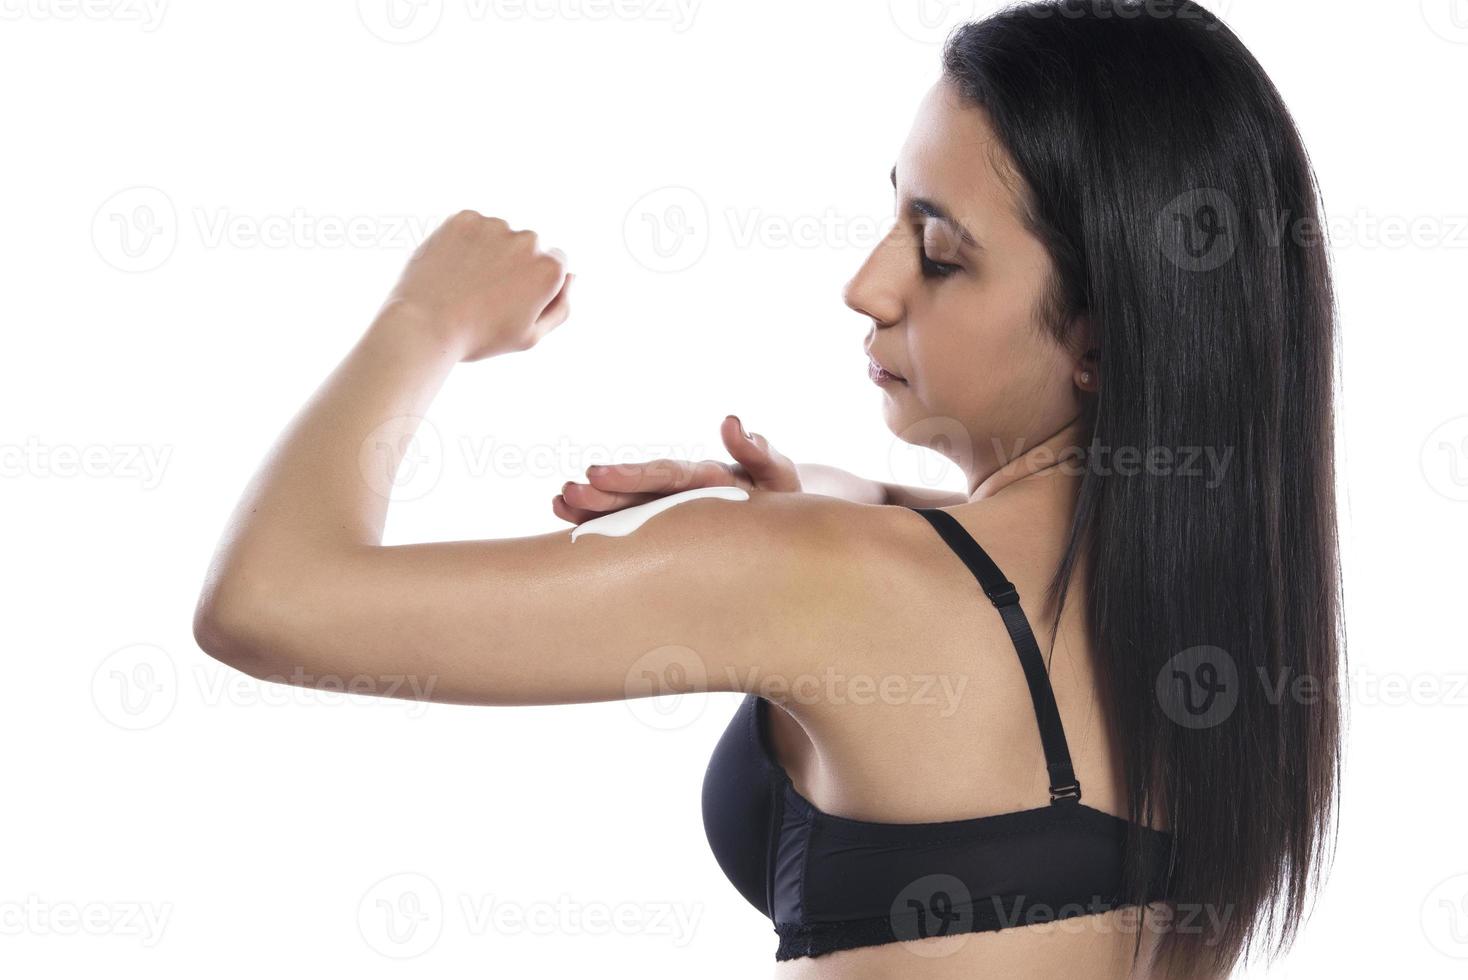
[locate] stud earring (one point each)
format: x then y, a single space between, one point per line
1085 377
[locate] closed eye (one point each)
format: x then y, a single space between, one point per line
933 237
932 269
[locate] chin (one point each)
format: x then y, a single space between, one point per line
926 428
895 413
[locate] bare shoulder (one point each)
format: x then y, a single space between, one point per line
795 586
890 589
884 578
925 660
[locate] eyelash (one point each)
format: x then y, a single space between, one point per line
931 269
934 270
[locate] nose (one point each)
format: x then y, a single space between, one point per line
874 290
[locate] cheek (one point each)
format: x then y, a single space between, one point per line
962 348
980 356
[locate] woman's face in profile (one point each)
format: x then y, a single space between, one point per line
953 291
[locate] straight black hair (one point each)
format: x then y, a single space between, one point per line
1159 166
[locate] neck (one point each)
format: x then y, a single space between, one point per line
1055 458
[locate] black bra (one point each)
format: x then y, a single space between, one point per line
830 882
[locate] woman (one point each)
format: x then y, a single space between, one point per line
1103 288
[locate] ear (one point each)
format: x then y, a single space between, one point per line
1083 339
1086 353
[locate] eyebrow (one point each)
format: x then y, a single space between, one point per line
938 213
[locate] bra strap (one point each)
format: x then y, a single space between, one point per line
1064 788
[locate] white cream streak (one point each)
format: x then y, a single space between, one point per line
629 519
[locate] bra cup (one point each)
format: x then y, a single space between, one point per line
738 807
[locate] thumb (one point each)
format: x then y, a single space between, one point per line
769 469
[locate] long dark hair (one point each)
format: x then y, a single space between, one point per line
1159 166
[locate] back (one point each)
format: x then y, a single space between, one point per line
935 721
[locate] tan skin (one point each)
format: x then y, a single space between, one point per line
785 584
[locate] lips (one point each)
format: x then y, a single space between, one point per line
880 373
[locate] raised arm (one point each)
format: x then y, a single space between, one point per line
302 590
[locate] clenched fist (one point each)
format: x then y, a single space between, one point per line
484 288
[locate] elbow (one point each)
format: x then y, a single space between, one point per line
230 626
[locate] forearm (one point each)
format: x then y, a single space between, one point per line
832 481
322 489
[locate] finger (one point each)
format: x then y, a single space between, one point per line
768 468
660 476
584 496
558 309
576 515
568 513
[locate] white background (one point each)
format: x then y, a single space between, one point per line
178 179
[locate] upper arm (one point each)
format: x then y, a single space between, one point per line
708 595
